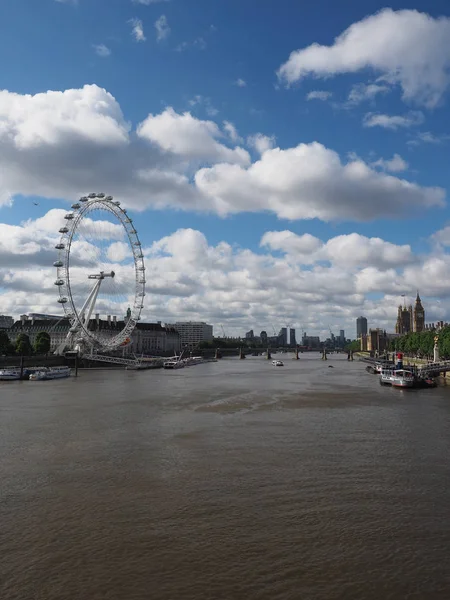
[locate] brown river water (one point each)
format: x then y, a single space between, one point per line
230 480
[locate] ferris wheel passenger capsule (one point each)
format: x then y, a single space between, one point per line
59 282
75 206
69 217
92 195
60 246
109 198
58 263
84 199
101 195
64 230
62 300
117 203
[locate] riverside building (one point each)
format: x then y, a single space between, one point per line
147 338
192 332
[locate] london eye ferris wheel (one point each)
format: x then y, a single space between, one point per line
100 272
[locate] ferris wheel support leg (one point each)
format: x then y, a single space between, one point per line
89 304
67 343
93 300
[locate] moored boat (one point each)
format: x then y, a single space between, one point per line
47 373
9 374
277 363
400 378
174 364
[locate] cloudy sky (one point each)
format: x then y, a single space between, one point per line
285 162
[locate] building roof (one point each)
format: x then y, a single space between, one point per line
36 325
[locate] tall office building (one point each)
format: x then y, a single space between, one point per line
283 337
361 326
292 340
342 337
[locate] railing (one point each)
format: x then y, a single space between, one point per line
116 360
438 367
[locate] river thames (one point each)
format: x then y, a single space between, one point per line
229 480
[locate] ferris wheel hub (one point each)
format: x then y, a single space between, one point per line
101 275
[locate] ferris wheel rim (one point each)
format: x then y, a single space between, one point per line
79 211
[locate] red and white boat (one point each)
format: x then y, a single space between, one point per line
400 378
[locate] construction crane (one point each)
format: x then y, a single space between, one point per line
223 331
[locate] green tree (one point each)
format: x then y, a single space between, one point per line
42 343
23 345
355 345
5 344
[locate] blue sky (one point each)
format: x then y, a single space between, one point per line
222 62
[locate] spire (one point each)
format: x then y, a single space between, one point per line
418 298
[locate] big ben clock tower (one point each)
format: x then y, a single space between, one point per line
419 315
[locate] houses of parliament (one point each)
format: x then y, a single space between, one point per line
409 319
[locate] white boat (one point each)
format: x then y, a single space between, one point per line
278 363
197 360
47 373
400 378
174 364
9 374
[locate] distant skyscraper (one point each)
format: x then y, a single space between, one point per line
282 337
292 340
361 326
342 337
263 336
249 335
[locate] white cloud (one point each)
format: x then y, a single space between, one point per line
319 95
189 137
162 28
442 236
308 182
305 246
232 132
394 122
198 43
64 144
361 92
137 30
118 251
261 142
426 137
190 279
102 50
199 100
346 251
53 118
395 165
388 43
240 82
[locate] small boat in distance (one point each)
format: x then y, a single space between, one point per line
278 363
400 378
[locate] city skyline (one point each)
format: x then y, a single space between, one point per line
223 155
